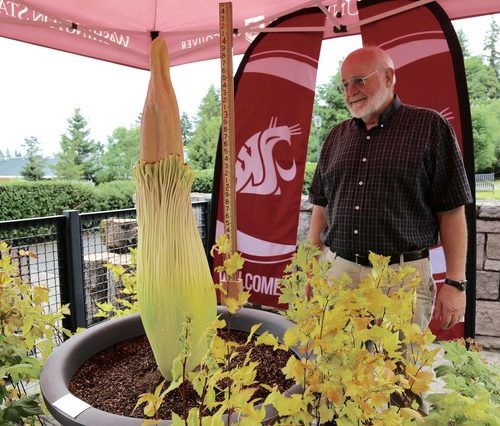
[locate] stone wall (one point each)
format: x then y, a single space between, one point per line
488 273
487 268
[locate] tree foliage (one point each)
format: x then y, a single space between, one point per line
464 43
484 94
120 155
329 105
490 46
186 129
202 148
34 166
482 81
483 132
79 156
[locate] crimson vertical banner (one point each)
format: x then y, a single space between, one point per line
430 73
274 96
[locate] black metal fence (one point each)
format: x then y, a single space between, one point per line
72 251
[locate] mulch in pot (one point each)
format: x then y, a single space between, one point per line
114 379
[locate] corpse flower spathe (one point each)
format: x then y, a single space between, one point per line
173 275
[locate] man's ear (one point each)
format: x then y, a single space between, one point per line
390 77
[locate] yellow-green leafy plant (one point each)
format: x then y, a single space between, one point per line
126 282
232 264
224 386
28 333
173 277
363 362
472 389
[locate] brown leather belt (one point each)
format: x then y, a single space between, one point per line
405 257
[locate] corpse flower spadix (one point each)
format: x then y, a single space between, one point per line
174 279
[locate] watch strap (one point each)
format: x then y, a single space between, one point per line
460 285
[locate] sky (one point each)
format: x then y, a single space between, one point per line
40 88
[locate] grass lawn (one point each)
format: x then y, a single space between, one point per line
489 195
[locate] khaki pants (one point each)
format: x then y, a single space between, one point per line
425 291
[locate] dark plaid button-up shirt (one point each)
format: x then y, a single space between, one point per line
382 187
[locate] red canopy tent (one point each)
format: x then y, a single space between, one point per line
120 30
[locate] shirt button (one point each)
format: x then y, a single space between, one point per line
356 231
381 125
368 137
356 208
360 183
364 160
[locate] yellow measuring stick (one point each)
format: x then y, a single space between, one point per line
228 133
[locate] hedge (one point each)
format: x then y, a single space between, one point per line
23 199
203 180
308 175
114 195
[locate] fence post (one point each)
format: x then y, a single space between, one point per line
206 222
74 269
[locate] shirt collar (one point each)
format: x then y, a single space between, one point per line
385 116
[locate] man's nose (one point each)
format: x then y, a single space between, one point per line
351 89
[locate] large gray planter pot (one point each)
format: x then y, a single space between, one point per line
67 358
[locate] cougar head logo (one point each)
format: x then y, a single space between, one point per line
256 169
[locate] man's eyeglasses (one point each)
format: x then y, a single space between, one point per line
357 82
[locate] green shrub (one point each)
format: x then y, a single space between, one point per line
20 200
30 331
308 175
114 195
203 181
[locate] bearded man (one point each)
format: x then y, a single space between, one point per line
391 181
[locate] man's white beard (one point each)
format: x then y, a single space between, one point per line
372 105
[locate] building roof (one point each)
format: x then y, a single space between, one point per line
11 168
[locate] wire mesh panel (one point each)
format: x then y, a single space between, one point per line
41 236
201 210
107 238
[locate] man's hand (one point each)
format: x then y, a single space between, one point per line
450 306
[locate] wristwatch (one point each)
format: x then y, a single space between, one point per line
460 285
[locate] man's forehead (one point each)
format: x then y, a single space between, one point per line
356 67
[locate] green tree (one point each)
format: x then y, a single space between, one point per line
186 129
202 148
482 81
329 105
464 43
120 155
490 47
493 124
486 134
79 156
34 166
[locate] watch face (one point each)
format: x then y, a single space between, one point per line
461 285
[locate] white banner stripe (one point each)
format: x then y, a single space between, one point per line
292 70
